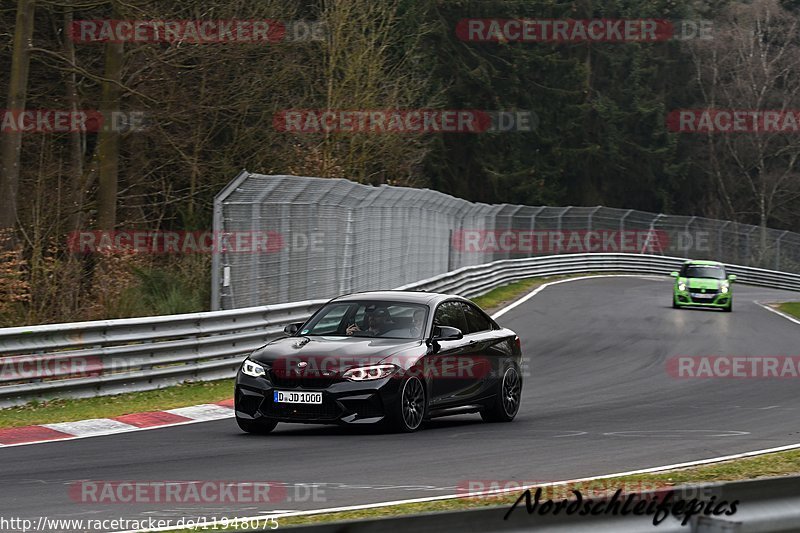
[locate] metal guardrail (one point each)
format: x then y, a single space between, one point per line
474 280
112 356
763 505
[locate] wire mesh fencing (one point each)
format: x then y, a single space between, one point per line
291 238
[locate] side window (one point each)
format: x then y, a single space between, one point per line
475 319
329 322
450 314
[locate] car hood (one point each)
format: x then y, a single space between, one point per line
347 349
703 283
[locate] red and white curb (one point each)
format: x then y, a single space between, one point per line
96 427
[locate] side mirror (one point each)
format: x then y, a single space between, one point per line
447 333
291 329
732 277
673 274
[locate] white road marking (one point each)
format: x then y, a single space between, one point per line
92 427
203 412
778 312
680 433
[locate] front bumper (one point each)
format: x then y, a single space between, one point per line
343 402
694 298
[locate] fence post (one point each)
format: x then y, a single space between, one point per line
622 220
719 241
561 214
589 218
650 233
778 250
216 257
347 255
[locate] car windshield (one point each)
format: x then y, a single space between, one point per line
370 318
704 271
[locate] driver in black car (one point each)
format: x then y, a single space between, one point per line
378 323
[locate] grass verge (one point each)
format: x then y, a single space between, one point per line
790 308
496 299
68 410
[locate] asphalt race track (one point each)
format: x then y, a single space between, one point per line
598 400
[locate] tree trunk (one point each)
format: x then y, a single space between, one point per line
76 140
108 140
11 142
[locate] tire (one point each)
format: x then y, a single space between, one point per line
256 427
411 407
507 399
729 308
675 303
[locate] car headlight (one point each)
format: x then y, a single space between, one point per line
366 373
681 286
253 369
724 288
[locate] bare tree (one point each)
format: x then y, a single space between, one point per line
76 141
107 153
361 72
11 144
753 64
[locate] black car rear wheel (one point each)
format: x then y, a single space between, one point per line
410 411
256 427
507 400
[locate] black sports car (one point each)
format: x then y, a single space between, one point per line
394 357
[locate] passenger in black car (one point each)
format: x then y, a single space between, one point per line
417 324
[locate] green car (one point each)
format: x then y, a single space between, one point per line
702 283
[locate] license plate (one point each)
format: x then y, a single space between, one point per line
705 296
297 397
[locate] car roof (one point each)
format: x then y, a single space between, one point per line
703 262
420 297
